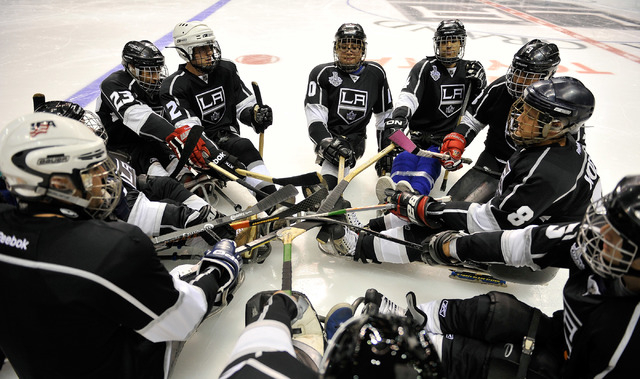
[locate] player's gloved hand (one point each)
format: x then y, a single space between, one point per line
218 272
227 162
436 248
176 141
453 145
262 118
476 77
331 149
392 125
410 207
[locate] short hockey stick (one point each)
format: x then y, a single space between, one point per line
341 169
258 95
307 179
189 145
400 139
304 205
268 202
241 182
38 100
443 185
338 190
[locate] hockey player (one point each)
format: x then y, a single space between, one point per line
535 60
130 109
341 98
208 91
430 105
156 204
370 345
85 298
595 335
534 189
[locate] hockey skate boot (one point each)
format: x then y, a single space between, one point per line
338 314
326 231
405 186
375 302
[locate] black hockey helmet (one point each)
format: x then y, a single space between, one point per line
536 60
76 112
380 345
449 31
145 63
610 232
349 36
558 105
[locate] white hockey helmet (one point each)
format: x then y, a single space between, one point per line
192 34
39 147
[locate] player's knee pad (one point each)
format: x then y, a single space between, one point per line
505 359
244 150
474 186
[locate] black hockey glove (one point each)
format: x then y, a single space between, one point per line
227 162
436 250
384 164
262 118
219 269
476 77
392 125
411 207
332 149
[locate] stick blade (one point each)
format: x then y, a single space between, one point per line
400 139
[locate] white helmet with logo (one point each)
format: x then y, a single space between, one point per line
53 159
192 34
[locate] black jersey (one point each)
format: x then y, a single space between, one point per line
542 184
338 103
129 114
491 108
434 95
214 101
599 318
87 299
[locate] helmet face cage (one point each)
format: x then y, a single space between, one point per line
205 57
519 79
92 120
449 41
101 188
349 47
378 345
603 246
530 126
145 63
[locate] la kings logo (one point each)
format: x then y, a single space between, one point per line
352 105
212 104
451 97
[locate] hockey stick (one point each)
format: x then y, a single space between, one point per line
241 182
307 179
341 169
302 206
443 185
400 139
268 202
38 100
187 149
338 190
258 95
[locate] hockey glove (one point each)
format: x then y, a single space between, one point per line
476 77
453 145
176 141
410 207
227 162
262 118
392 125
436 248
332 149
384 164
223 266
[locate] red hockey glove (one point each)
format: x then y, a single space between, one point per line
410 207
453 145
176 141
